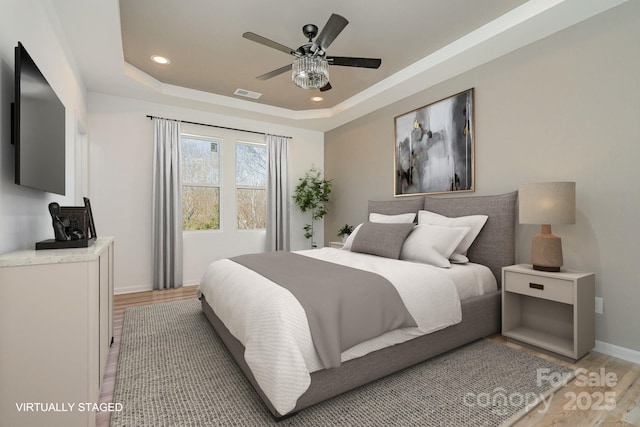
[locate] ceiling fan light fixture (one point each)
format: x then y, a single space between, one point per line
310 72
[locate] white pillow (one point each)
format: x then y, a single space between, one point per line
432 244
474 222
407 218
457 258
349 241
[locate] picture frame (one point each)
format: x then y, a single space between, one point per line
92 225
76 225
78 219
435 149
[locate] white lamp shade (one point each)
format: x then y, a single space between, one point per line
547 203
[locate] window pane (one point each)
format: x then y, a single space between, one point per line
200 208
200 161
251 165
252 208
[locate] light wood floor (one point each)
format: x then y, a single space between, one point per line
562 411
120 303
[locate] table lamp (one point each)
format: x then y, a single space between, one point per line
547 203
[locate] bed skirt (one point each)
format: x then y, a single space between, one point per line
480 318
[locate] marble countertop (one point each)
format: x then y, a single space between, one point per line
55 256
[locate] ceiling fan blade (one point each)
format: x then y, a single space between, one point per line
274 73
332 28
325 87
354 62
270 43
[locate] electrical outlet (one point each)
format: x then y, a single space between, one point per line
599 303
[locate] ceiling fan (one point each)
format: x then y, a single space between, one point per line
310 67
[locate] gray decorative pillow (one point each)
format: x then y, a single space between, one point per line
381 239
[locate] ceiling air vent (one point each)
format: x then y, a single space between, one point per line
247 93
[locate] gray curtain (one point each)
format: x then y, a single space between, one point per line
166 236
278 193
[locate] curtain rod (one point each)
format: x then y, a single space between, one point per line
216 126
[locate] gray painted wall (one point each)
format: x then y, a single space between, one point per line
564 108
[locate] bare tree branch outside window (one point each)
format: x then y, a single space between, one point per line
200 165
201 177
251 182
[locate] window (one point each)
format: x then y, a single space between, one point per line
200 182
251 183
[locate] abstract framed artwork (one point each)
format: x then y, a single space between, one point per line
434 147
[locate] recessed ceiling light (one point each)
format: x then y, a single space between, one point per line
160 59
317 98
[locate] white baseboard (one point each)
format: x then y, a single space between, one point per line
141 288
617 351
195 282
132 289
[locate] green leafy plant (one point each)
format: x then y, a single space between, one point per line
312 194
345 231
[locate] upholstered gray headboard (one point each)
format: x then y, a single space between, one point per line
494 246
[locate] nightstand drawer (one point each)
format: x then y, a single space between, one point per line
540 287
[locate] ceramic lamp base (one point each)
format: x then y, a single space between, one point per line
546 251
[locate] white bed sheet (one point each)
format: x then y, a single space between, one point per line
272 325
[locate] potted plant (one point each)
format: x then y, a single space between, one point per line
345 231
312 194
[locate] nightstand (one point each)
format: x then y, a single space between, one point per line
337 245
552 311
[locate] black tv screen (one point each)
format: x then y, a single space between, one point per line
39 129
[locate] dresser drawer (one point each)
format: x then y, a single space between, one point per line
538 286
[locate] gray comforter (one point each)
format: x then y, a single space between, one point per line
344 306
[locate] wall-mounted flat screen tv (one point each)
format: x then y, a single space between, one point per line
38 128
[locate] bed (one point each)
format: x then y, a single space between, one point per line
494 247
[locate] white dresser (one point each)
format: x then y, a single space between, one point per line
56 326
